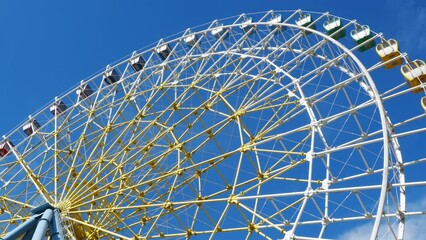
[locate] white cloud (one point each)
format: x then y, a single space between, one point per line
414 227
359 232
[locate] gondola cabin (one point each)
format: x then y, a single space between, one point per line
333 27
5 148
275 21
414 73
163 51
362 35
247 26
111 76
30 127
388 50
84 91
305 20
220 32
191 40
58 107
137 63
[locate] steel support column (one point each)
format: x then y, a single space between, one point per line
42 225
56 226
23 228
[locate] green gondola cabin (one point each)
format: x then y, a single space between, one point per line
137 63
247 26
220 32
333 27
362 37
305 20
163 51
274 22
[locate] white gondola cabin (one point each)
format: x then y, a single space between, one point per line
415 74
388 50
30 127
58 107
220 32
137 63
84 91
333 27
5 148
362 36
111 76
247 25
305 20
163 51
191 40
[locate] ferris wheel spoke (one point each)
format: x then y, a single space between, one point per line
116 141
316 192
96 228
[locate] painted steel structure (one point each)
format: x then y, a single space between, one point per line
258 125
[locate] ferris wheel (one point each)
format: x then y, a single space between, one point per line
276 125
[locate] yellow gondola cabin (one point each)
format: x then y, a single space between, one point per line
423 102
415 74
388 50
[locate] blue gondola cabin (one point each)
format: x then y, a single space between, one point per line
163 51
30 127
388 50
58 108
111 76
415 74
84 91
137 63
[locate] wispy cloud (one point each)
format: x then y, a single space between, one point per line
414 227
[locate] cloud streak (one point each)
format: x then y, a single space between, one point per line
414 226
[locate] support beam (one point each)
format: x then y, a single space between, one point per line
56 227
40 209
29 233
21 229
42 225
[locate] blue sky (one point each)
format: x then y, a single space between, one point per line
48 46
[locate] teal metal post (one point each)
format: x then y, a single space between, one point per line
56 226
22 228
43 223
